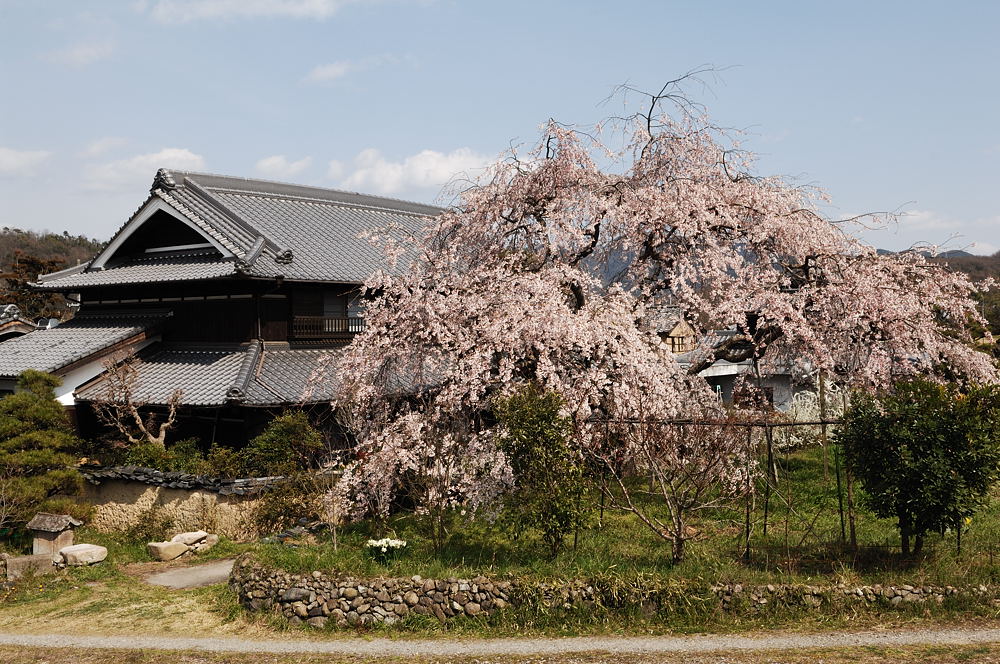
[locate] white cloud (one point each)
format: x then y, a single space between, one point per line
133 171
83 54
278 166
15 163
334 70
926 220
184 11
983 248
330 72
335 169
427 169
100 146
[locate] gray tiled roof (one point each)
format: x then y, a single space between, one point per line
214 376
204 375
80 337
271 228
52 523
148 270
291 376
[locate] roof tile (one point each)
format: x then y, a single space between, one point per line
80 337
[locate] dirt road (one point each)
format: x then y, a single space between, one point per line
537 646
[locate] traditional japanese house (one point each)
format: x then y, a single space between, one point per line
233 291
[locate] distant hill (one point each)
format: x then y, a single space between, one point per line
977 267
69 249
25 254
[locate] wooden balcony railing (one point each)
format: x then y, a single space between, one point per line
321 327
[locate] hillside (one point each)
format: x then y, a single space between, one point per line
69 249
977 267
26 254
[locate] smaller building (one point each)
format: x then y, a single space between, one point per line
51 532
12 324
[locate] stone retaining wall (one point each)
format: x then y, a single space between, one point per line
731 595
318 597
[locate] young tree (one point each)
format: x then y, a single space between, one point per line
549 475
543 273
926 454
36 443
121 409
692 468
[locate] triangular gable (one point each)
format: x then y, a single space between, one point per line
156 210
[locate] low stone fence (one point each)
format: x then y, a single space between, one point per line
732 595
124 496
319 597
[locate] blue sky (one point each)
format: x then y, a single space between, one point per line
885 105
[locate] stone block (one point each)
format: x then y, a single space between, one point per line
81 554
207 543
189 539
18 566
164 551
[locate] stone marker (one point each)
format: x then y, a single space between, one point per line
81 554
164 551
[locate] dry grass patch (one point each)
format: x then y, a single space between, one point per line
977 654
125 606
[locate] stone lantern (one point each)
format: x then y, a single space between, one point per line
51 532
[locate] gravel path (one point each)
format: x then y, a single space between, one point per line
486 647
193 576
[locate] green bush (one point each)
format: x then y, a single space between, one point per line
289 444
224 462
36 448
926 455
66 505
549 475
183 456
284 504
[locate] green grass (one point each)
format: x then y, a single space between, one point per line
802 544
618 553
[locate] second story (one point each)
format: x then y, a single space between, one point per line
231 290
236 260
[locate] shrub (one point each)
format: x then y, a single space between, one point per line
926 454
288 444
548 473
183 456
284 504
224 462
152 525
36 448
66 505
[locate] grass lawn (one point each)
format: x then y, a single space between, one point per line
802 544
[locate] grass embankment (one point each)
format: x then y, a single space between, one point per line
802 545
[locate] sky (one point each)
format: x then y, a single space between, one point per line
886 106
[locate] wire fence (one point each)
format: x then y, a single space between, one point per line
800 511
